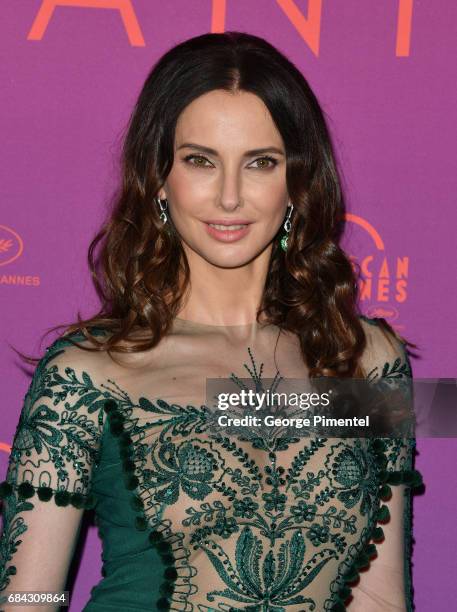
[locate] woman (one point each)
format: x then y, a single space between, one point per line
221 259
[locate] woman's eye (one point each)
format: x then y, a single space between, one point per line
199 159
264 162
267 162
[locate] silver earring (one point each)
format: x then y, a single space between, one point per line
163 207
287 227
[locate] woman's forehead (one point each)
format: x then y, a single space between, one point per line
220 113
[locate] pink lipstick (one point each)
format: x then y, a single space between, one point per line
226 230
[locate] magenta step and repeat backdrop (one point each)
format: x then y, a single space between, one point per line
384 72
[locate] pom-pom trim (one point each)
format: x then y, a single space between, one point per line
156 538
411 478
26 490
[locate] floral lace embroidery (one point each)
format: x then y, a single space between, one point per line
286 525
55 447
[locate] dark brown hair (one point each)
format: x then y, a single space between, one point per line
141 272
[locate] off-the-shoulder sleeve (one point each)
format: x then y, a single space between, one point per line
47 487
389 365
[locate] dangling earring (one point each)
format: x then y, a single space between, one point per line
287 228
163 208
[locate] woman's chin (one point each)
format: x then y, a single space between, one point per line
230 260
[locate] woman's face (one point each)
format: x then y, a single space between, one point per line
229 168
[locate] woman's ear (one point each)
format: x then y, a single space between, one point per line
162 194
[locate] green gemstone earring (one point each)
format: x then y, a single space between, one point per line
287 228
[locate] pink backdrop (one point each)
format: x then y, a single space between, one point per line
385 75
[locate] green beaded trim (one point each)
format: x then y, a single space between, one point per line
411 478
156 538
62 498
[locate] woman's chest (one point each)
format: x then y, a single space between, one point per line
264 518
246 522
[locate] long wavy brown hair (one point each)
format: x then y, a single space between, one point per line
140 269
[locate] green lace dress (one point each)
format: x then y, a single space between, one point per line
190 520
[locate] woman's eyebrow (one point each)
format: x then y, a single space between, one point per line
191 145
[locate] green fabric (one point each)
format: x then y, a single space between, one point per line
188 519
129 560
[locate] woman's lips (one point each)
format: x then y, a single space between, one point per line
227 235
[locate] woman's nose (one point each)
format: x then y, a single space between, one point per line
230 190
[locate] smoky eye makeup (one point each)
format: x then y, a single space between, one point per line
272 161
192 156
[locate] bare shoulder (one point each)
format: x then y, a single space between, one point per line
74 351
384 348
120 363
